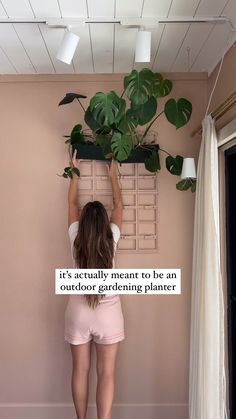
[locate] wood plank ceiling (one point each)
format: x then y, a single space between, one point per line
27 48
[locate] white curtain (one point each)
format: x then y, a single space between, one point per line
207 390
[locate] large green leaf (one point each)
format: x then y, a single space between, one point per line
178 113
69 97
90 121
93 125
145 112
107 108
162 87
187 183
121 146
128 123
105 143
152 163
139 86
103 130
76 136
174 164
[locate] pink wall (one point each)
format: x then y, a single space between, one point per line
152 367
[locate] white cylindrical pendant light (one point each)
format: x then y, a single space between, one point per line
143 47
188 169
67 48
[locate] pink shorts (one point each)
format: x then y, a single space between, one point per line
104 324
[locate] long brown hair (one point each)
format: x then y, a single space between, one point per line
93 245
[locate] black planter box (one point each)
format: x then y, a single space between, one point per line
94 152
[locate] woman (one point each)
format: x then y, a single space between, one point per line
93 317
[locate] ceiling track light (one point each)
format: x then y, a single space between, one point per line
145 22
143 41
143 46
68 46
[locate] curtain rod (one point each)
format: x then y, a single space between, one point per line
219 111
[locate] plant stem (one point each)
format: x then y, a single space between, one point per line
81 104
149 126
147 147
122 93
164 151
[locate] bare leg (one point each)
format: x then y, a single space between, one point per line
81 356
106 357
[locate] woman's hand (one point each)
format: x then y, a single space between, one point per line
74 162
74 166
112 169
116 214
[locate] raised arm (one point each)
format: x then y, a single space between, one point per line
73 209
116 215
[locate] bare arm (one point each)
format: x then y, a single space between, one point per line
73 209
116 215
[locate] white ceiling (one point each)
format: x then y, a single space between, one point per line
109 48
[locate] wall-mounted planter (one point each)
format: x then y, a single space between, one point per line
91 151
117 125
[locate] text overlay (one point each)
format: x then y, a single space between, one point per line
118 281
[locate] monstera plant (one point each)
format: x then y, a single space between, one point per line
119 128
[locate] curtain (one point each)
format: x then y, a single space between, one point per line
207 388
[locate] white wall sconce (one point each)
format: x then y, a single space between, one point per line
143 47
68 46
188 169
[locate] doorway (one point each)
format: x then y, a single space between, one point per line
230 196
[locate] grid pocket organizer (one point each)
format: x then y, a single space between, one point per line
139 194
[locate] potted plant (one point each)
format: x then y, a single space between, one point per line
115 124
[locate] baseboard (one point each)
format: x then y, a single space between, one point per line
120 411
